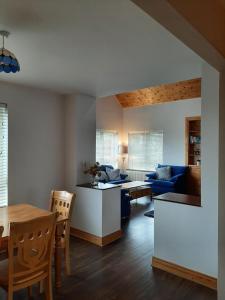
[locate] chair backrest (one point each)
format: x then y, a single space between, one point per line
62 203
1 230
30 248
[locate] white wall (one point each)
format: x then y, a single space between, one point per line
36 163
80 137
168 117
97 211
109 114
49 139
186 235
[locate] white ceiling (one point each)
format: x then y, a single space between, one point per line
98 47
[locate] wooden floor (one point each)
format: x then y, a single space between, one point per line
122 270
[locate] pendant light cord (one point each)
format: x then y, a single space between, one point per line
4 34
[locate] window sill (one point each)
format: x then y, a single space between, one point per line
140 170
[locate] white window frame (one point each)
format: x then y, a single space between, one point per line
142 155
107 156
3 155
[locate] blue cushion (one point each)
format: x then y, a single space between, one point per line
103 167
103 177
163 173
151 175
176 177
175 170
113 174
123 176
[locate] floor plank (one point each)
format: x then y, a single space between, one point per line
122 270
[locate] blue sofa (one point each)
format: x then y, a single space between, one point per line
123 177
176 184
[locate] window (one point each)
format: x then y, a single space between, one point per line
145 150
3 155
107 143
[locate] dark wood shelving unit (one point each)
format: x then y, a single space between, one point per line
193 140
193 154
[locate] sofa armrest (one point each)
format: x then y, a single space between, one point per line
123 176
165 183
176 178
151 175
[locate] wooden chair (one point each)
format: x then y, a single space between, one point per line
3 252
29 256
62 203
1 230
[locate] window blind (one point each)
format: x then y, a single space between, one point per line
107 143
3 155
145 150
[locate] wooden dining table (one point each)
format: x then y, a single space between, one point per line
26 212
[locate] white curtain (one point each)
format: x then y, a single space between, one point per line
107 143
145 150
3 155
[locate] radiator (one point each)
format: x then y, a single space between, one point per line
136 175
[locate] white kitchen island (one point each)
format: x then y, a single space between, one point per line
97 213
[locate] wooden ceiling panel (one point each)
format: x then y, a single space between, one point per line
181 90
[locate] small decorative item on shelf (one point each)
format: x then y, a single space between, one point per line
93 171
191 139
195 139
198 140
197 152
198 162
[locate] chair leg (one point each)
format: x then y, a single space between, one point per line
48 288
67 258
10 295
41 287
29 289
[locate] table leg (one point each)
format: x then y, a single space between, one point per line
58 256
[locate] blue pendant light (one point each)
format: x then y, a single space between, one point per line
8 61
